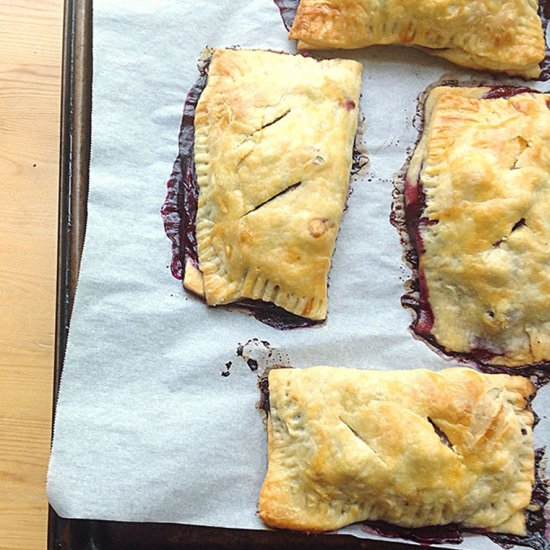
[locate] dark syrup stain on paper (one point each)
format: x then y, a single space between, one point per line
288 9
544 13
260 357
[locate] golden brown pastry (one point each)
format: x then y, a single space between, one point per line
496 35
413 448
274 138
483 166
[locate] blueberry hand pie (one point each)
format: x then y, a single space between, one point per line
274 137
495 35
477 199
413 448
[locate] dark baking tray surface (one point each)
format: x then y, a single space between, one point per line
70 534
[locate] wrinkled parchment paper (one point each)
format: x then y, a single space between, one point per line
147 428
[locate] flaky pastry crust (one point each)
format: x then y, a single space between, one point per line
484 167
413 448
495 35
274 139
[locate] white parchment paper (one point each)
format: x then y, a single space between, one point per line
146 427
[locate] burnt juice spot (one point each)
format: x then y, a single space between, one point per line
425 536
359 162
228 366
505 92
266 358
349 105
259 353
252 364
276 316
263 386
288 9
544 13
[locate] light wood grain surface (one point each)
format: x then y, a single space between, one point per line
30 84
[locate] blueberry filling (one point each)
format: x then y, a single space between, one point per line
179 210
544 13
288 10
504 92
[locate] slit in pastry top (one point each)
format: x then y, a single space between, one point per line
495 35
274 137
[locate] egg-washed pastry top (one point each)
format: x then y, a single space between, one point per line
413 448
495 35
482 168
274 138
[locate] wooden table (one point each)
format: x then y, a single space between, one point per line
30 84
